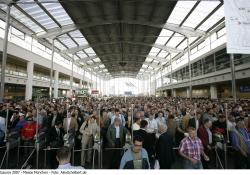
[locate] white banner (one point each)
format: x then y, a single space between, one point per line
237 16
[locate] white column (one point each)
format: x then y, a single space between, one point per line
174 92
81 83
213 92
72 77
188 92
150 85
29 84
56 78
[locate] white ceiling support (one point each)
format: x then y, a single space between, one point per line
73 50
186 31
160 59
55 32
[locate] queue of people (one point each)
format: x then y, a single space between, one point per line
160 126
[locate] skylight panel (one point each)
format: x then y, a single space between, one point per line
154 51
24 19
90 51
97 60
39 15
183 45
149 60
200 12
58 12
180 11
212 20
175 40
164 36
192 39
78 37
162 54
155 61
90 62
65 39
102 66
59 45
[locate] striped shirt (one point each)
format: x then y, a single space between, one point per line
192 148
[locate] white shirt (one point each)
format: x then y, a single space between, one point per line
68 166
68 122
58 131
135 127
160 120
117 132
197 124
152 126
2 124
53 120
209 135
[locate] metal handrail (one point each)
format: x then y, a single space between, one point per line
2 147
218 157
28 158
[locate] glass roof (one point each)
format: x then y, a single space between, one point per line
38 14
188 15
218 15
195 16
200 12
180 11
44 16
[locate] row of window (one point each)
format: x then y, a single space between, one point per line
214 62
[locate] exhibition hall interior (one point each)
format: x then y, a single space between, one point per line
125 84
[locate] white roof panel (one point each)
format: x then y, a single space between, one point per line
218 15
200 12
180 11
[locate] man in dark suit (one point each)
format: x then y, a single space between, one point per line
55 140
53 117
148 141
205 134
195 121
116 139
164 148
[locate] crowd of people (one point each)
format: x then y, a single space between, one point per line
160 127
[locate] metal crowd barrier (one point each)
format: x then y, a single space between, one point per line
12 141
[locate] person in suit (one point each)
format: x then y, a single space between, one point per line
88 129
116 139
205 134
55 140
195 121
241 144
53 117
148 141
70 123
164 148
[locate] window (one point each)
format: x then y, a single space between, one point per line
221 32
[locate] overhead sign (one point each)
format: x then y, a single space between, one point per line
94 92
128 93
237 16
84 91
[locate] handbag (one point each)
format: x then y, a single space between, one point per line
157 165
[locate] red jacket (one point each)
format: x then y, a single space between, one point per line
203 135
29 130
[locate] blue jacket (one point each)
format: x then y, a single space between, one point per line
127 160
69 166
